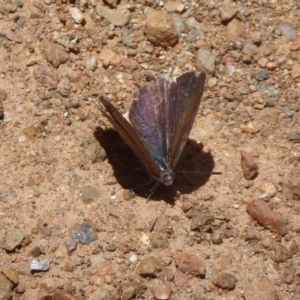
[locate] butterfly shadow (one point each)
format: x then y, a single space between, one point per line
193 170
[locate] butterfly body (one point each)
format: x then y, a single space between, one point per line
160 122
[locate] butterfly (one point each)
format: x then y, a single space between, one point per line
160 122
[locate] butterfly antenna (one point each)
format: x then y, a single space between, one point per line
200 172
153 190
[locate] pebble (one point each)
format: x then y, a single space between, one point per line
112 3
190 263
93 151
12 275
133 258
44 227
289 274
228 12
225 281
160 29
192 23
205 61
162 291
92 63
262 75
174 6
249 165
262 289
268 188
109 57
76 15
102 271
158 240
55 54
288 30
150 267
131 289
296 71
294 136
282 254
200 220
115 17
39 265
13 239
212 82
250 128
84 233
235 29
5 288
3 97
181 279
265 216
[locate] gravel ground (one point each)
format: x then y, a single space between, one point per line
75 221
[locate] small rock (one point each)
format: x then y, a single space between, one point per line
76 15
71 245
43 227
132 290
174 6
181 279
282 254
295 71
115 17
111 3
235 29
262 290
289 274
84 233
190 263
205 61
92 63
266 217
5 288
39 265
228 12
160 29
150 267
295 45
55 54
109 57
11 275
14 239
288 30
129 64
75 101
225 281
200 220
268 188
249 165
262 75
93 150
158 240
162 291
89 194
32 132
3 97
212 82
250 128
291 183
102 271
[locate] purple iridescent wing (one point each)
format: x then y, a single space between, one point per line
129 135
164 114
181 108
147 116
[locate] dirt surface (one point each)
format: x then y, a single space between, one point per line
75 221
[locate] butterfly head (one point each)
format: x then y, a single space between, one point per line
167 177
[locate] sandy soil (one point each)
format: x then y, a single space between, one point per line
75 221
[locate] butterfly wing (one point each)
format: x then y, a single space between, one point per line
147 116
181 109
129 135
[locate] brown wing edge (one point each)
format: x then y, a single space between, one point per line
127 132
